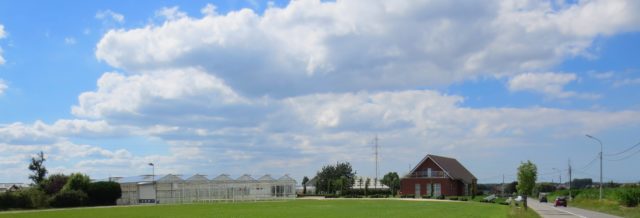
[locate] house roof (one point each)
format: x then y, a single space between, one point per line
451 166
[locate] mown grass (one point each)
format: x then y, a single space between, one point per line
589 199
294 208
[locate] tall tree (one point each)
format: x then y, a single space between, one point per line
366 186
391 180
304 185
39 171
335 177
54 183
527 176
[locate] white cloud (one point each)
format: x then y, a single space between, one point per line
108 15
148 95
550 84
174 13
626 82
3 34
3 86
69 41
340 46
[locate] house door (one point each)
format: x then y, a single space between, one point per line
417 190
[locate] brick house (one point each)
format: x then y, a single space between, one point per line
437 175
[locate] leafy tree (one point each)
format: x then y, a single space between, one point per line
304 185
331 177
39 171
54 183
581 183
366 186
78 182
527 175
391 180
510 187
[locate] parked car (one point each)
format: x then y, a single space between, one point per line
543 198
560 201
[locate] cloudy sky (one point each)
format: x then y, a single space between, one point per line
284 87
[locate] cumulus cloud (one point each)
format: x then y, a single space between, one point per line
374 45
110 16
550 84
3 34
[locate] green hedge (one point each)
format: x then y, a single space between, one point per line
69 198
104 193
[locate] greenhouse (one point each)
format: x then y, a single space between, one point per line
177 189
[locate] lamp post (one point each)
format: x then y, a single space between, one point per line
153 181
594 138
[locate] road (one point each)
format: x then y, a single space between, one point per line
547 210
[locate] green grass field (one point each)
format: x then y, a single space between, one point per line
294 208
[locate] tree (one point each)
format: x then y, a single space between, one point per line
54 183
527 175
39 171
391 180
581 183
78 182
331 177
366 186
304 185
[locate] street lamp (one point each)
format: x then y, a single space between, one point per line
153 181
594 138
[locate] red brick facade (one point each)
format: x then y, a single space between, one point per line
427 177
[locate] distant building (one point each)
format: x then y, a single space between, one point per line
8 187
173 189
437 175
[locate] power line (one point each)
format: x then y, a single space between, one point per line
624 158
626 150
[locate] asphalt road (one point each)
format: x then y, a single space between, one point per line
547 210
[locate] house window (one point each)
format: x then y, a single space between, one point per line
436 189
428 172
428 189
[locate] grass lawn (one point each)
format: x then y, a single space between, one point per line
607 206
294 208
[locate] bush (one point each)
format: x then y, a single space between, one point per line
441 197
78 182
426 196
629 197
407 196
54 183
104 193
26 199
453 198
463 199
69 198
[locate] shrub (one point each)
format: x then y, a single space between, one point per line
453 198
104 193
629 197
441 197
69 198
426 196
463 199
54 183
78 182
25 199
407 196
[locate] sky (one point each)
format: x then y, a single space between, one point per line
279 87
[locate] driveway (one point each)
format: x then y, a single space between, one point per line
548 210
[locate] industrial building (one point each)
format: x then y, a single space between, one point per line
177 189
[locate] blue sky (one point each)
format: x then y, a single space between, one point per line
277 87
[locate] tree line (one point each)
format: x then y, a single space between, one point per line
59 190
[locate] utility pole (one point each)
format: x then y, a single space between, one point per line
502 185
569 178
376 153
594 138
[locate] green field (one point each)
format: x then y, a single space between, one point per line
295 208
